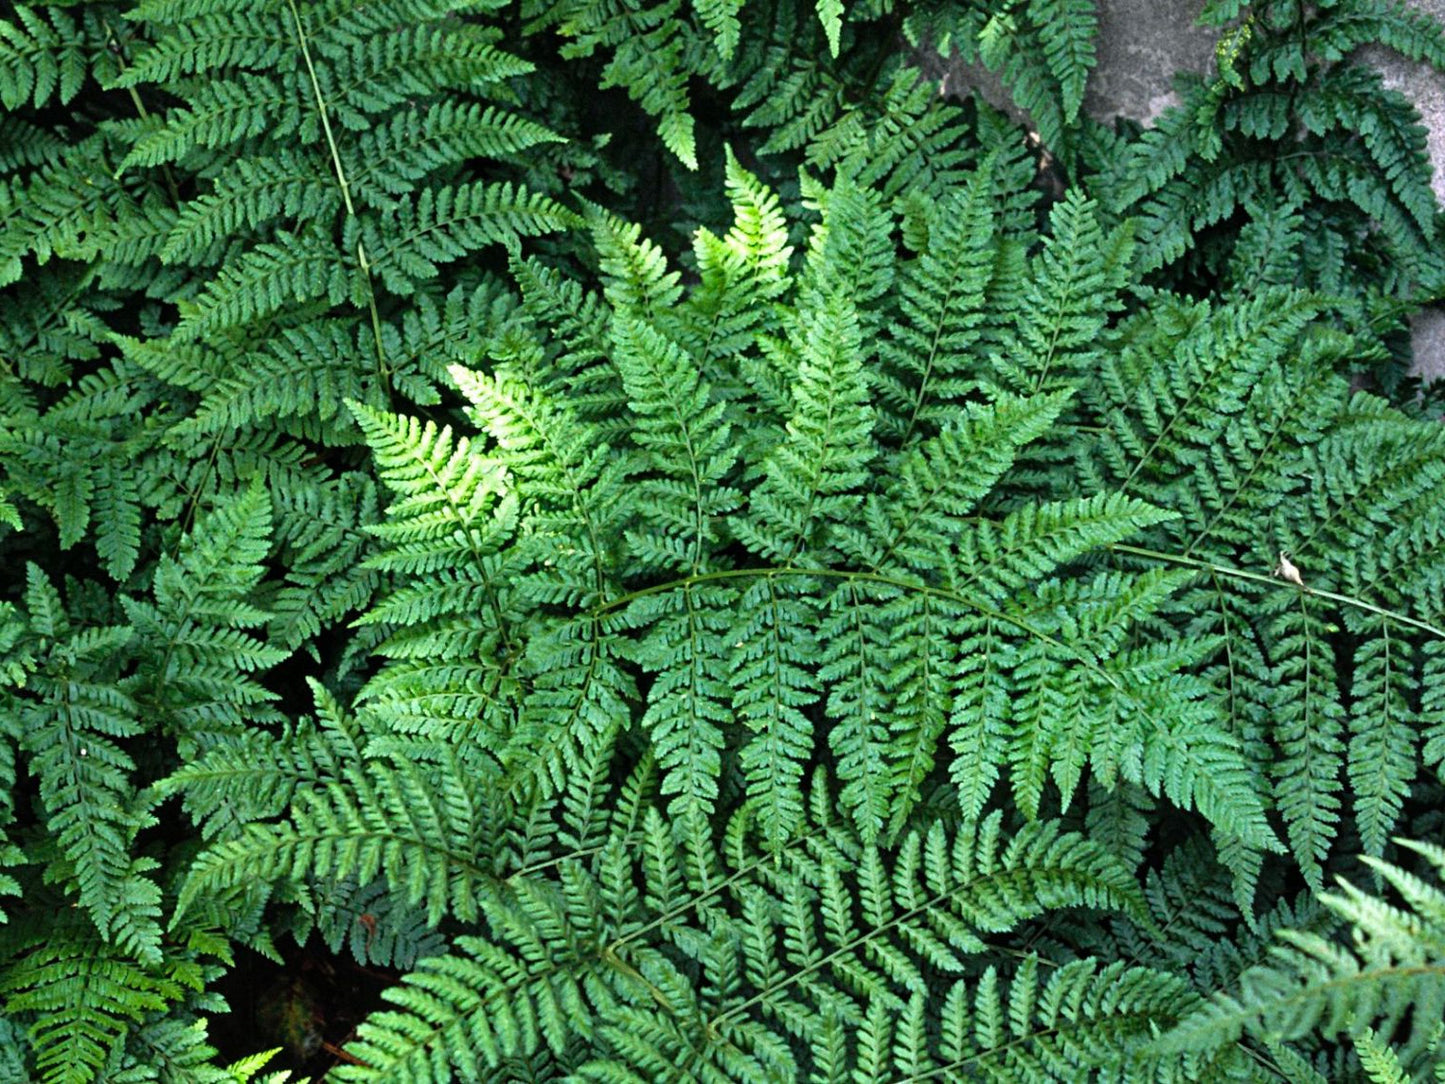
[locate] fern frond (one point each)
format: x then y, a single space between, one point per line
195 43
372 821
943 302
1072 285
747 266
446 492
811 477
73 726
1077 1020
681 427
1067 29
1383 728
254 776
939 482
221 113
251 194
687 705
42 53
415 144
1394 961
1002 558
196 652
1354 98
295 269
721 18
445 224
87 996
588 957
648 58
771 644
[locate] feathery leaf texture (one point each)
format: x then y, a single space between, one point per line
710 558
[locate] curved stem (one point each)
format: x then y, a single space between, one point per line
383 371
1259 577
861 577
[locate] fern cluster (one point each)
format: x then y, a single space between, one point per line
641 527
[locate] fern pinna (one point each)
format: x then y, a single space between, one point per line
812 540
915 632
223 223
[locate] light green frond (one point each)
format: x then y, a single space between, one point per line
811 479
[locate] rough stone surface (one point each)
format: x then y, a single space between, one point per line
1426 87
1142 43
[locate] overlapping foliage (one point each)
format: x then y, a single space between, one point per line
718 579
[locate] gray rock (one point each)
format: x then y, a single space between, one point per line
1426 87
1141 45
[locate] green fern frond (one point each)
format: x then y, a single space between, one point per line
74 719
1380 1062
1383 728
772 685
648 58
1394 961
414 145
445 224
371 821
943 298
1066 29
1354 98
681 428
1072 285
589 958
42 53
812 476
220 113
1074 1021
938 482
196 41
196 652
443 487
295 269
86 997
721 18
251 194
254 776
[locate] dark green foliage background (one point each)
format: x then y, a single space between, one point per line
687 555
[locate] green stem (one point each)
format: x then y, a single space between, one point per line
383 371
141 111
863 577
1273 581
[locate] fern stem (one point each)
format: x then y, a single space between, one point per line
701 897
853 576
1259 577
383 371
1228 645
140 108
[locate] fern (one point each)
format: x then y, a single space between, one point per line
1357 150
1394 963
88 996
71 727
610 970
694 554
44 57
